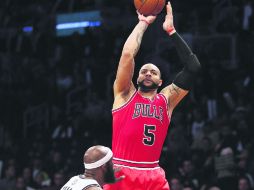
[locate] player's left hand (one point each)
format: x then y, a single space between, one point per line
168 24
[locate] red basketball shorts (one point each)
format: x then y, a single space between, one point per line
140 179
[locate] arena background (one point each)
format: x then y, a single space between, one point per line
56 89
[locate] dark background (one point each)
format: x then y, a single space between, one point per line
56 92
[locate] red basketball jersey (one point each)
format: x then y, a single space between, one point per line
139 129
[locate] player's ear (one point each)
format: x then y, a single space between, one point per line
103 166
160 83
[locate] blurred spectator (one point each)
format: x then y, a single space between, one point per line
36 166
41 180
188 174
225 19
188 188
9 179
214 188
21 185
175 183
244 183
247 14
58 181
28 178
197 124
56 162
63 130
243 169
225 168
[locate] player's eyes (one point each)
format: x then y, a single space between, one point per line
152 72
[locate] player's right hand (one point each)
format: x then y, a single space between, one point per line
117 169
148 19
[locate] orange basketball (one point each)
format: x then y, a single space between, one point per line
149 7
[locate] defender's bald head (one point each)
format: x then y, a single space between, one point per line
97 156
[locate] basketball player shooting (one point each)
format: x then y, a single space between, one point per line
141 116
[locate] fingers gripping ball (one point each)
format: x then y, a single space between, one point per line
149 7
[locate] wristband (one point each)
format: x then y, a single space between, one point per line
171 31
144 21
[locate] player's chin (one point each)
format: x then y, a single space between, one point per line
145 85
150 87
148 83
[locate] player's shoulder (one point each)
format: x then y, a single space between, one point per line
161 95
120 100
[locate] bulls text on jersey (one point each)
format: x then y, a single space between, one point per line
148 110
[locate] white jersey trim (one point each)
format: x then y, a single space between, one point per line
91 185
78 182
135 162
136 168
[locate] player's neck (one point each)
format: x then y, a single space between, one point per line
148 94
91 175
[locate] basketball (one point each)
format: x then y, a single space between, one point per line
149 7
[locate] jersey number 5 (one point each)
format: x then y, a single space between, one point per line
149 135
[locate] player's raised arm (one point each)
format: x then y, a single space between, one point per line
123 83
184 79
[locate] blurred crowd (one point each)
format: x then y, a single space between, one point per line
56 92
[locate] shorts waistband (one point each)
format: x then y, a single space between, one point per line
135 164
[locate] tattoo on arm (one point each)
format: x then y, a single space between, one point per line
176 89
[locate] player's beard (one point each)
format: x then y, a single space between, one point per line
109 176
145 88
